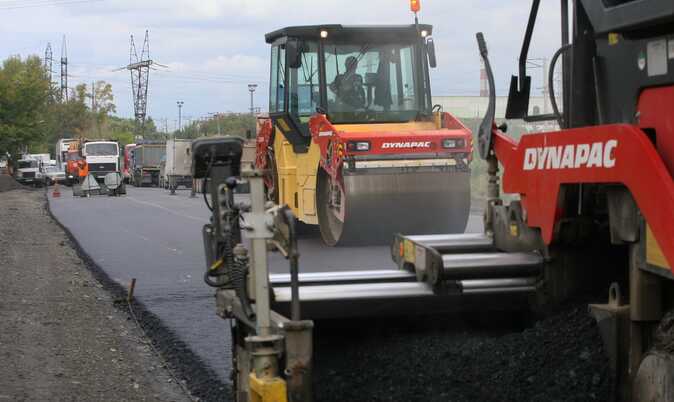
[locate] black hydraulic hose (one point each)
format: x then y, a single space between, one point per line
203 188
239 275
551 86
293 257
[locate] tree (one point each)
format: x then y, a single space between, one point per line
24 95
237 124
33 119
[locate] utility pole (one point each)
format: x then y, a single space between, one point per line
172 179
64 71
140 76
48 63
93 106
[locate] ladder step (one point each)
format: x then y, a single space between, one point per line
343 277
446 243
490 265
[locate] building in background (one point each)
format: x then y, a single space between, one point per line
473 107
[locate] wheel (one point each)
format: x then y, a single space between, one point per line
654 381
329 208
370 208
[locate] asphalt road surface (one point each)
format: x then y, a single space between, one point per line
156 238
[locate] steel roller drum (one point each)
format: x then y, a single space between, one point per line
378 203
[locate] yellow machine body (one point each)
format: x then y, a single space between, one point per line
297 172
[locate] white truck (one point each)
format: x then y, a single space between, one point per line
29 172
62 147
102 157
178 169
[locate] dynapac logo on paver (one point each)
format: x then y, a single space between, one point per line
422 144
598 154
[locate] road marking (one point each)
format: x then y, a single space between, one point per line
152 204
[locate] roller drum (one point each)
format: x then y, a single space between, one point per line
377 204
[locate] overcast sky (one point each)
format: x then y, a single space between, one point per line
214 48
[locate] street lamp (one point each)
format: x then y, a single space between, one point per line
172 178
251 89
180 114
216 116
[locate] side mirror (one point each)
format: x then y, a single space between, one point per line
293 53
430 49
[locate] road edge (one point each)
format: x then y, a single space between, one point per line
202 381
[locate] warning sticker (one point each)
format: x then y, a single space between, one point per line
656 52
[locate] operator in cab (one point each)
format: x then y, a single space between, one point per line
349 86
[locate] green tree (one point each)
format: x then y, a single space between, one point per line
237 124
25 91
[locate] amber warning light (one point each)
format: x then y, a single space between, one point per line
415 6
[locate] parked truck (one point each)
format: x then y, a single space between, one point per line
28 171
62 147
102 157
146 160
178 168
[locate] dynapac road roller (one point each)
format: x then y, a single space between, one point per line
353 142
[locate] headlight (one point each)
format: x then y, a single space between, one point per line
453 143
358 146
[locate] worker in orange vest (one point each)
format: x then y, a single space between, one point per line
82 169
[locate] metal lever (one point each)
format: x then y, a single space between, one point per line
484 140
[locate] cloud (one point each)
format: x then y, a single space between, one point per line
215 47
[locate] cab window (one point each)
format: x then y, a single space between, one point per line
277 79
304 86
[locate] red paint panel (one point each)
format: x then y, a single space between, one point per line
656 111
627 156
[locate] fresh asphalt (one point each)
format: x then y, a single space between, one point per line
155 237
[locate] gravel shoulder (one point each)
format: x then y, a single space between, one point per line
61 337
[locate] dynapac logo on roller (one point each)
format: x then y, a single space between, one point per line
422 144
598 154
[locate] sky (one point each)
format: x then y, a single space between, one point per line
214 48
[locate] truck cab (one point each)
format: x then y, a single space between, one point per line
102 157
28 172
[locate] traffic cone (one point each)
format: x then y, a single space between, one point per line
56 193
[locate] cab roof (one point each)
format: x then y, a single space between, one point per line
350 31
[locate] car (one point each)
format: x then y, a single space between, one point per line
53 174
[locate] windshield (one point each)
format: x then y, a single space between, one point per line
101 149
372 82
73 156
27 164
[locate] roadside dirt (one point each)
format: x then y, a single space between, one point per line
61 337
8 183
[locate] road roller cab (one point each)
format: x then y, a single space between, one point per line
353 143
